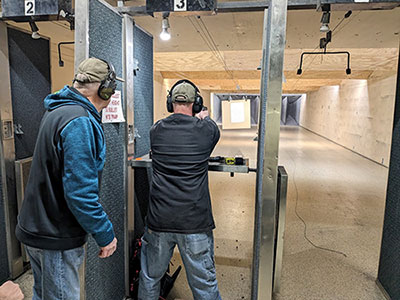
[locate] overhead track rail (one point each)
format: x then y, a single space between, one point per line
247 6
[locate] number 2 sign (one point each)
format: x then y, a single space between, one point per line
29 7
180 5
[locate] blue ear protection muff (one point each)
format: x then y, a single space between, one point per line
108 85
198 100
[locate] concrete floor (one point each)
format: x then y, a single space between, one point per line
341 197
339 194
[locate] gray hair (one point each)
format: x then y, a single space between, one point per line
89 87
182 103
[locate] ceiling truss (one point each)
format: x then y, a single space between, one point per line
248 6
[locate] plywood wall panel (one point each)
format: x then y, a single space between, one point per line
357 114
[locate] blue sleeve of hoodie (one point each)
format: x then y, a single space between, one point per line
80 180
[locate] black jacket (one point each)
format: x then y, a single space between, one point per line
179 196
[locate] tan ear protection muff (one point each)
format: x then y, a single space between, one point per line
108 85
198 100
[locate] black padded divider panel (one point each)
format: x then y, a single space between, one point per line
4 271
143 103
142 188
30 84
105 278
143 90
389 271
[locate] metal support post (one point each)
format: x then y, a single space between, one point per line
268 148
128 64
81 31
250 6
81 53
389 273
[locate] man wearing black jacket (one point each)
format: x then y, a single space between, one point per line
180 210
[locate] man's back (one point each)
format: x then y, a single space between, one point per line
179 197
180 208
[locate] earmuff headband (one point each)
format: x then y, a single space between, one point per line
198 101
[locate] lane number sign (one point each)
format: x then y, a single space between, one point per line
180 5
29 7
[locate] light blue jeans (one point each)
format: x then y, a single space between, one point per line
197 252
56 273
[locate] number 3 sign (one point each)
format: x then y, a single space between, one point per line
180 5
29 7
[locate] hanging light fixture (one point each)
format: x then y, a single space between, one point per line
35 30
326 17
165 35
